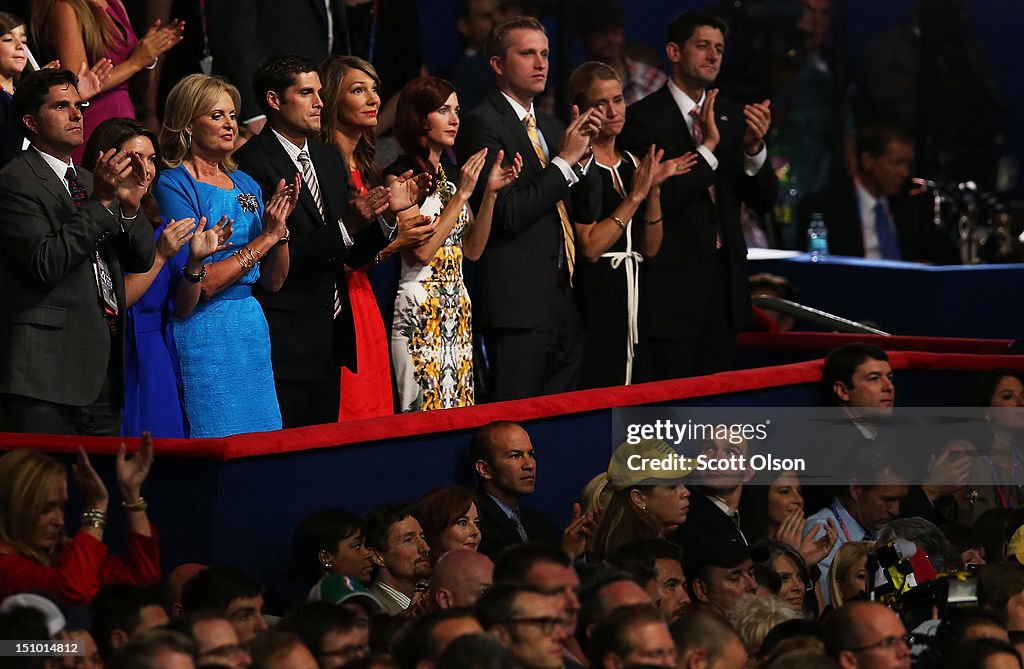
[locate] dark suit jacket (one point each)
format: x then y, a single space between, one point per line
243 33
55 344
498 531
673 301
518 272
702 521
305 338
917 237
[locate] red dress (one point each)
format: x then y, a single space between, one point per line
81 569
366 394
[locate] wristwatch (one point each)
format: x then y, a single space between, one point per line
193 278
287 236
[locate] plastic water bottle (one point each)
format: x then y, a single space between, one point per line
817 238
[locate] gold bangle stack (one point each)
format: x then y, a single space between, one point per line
94 518
141 505
247 257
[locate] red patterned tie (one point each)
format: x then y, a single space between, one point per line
76 187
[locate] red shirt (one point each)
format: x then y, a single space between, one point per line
82 568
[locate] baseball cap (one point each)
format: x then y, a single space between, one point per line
54 618
649 462
339 589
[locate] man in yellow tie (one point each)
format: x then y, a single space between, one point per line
525 305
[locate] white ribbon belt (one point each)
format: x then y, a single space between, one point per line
632 261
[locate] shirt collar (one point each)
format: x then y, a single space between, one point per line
290 148
506 509
59 167
519 109
865 200
684 101
399 597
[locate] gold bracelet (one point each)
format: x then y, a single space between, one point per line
242 260
94 518
141 505
618 222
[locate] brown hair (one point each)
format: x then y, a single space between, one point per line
585 75
418 99
623 522
26 480
97 30
111 134
332 74
439 510
497 41
190 98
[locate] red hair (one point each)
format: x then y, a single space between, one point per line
418 99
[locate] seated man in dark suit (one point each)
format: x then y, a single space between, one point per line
871 216
715 501
66 238
503 458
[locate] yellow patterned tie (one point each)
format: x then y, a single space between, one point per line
563 214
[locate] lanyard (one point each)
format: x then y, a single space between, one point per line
839 518
998 485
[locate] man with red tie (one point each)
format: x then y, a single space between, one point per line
66 237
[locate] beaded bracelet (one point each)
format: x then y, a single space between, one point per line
94 518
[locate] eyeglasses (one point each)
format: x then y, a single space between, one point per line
545 623
886 643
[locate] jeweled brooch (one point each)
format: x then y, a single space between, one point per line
248 202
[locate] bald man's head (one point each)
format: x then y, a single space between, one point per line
460 577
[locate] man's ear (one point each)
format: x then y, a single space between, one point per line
498 65
273 100
483 470
697 659
376 558
117 638
30 123
612 661
700 590
841 391
501 633
848 660
443 598
856 489
674 53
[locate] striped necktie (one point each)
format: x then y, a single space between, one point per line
568 239
309 177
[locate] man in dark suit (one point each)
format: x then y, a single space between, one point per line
311 328
871 215
65 239
524 303
695 290
503 458
244 33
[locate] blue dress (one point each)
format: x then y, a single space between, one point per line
152 379
224 344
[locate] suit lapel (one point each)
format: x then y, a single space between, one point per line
51 182
286 169
516 130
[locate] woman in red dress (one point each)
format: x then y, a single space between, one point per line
351 95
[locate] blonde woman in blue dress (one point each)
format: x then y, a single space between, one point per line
432 334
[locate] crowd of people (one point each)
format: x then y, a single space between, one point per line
230 275
657 567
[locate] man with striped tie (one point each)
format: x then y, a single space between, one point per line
66 236
311 330
524 303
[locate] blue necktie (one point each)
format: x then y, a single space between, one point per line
887 245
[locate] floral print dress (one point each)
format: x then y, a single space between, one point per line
432 334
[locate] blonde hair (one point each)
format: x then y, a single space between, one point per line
26 481
97 30
190 98
753 617
597 493
332 75
845 557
